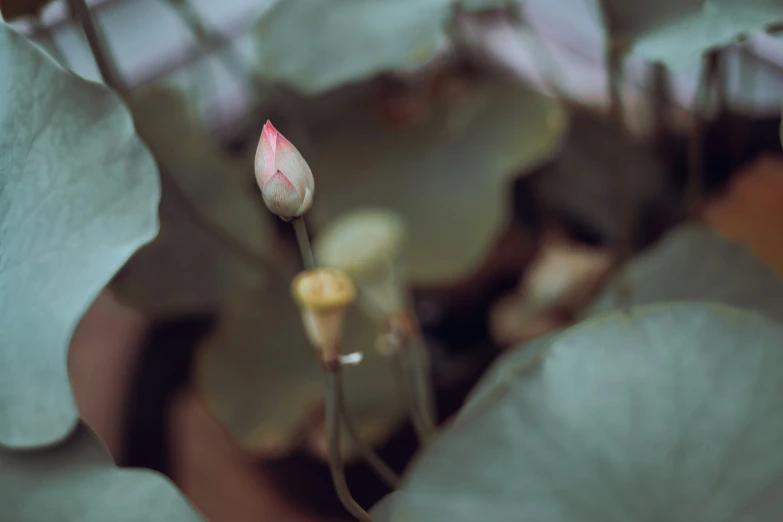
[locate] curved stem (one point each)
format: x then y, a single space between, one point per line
334 398
400 373
418 356
368 453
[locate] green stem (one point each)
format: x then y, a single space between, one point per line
304 243
403 383
368 453
418 359
334 398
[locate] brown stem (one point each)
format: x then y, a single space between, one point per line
334 398
624 197
210 40
694 190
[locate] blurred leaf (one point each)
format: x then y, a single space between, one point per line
76 481
261 378
695 263
11 9
448 177
678 32
671 413
185 270
78 195
751 212
481 5
316 46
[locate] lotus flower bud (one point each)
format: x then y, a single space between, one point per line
323 295
366 244
283 175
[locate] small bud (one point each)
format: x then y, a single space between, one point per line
366 244
283 175
323 295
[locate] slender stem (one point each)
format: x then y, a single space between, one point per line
210 40
80 11
418 358
695 186
334 398
304 243
373 459
400 373
624 193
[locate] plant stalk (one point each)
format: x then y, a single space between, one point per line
403 383
334 398
305 248
368 452
694 190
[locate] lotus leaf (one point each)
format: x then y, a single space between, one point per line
79 194
673 412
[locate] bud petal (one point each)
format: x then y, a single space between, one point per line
283 175
282 198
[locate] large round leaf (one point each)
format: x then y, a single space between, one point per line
448 176
261 378
315 46
185 270
77 481
694 262
671 413
78 195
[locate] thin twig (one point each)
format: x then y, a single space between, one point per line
211 40
368 452
80 12
334 398
304 243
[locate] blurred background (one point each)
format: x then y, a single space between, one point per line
489 128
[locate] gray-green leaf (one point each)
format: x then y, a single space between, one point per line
315 46
672 413
76 481
78 195
448 176
694 262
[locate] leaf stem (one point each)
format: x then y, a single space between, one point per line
211 40
624 195
305 248
334 398
694 190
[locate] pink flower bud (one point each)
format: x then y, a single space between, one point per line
283 175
